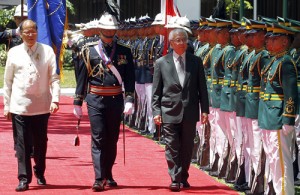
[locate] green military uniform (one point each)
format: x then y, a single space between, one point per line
280 95
212 61
236 64
242 85
295 53
256 63
227 93
202 52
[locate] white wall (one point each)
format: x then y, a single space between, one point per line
189 8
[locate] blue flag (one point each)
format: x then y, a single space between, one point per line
50 17
37 12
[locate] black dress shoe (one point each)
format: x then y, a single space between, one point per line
213 173
98 185
194 161
242 187
111 183
22 186
155 138
185 184
41 180
174 187
162 142
205 168
230 181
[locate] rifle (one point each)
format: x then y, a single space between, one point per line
259 175
205 149
231 166
215 160
142 115
222 167
197 144
240 174
131 118
124 138
200 148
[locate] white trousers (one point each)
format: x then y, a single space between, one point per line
145 91
279 144
255 140
221 140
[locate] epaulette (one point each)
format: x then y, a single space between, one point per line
123 44
285 58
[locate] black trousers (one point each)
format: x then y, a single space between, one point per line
179 148
30 130
105 127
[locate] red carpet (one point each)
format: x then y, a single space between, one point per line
70 171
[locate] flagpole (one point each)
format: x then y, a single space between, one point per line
22 7
166 41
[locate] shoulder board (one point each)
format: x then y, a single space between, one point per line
123 44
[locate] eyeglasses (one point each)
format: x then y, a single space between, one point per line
29 33
178 41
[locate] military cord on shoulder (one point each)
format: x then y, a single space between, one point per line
85 51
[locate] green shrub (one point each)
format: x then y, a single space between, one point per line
3 54
68 61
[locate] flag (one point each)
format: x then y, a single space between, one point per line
168 9
57 15
37 12
51 19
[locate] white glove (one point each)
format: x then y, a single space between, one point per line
128 108
77 111
18 31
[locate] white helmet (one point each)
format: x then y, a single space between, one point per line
18 11
171 22
184 23
158 20
108 21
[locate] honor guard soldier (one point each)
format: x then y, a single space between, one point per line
133 33
144 77
203 150
242 57
203 45
279 109
140 76
227 114
104 67
213 62
236 33
159 30
207 49
10 37
194 37
255 64
295 53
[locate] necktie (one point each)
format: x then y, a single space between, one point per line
181 72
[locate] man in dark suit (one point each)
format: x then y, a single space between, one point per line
179 86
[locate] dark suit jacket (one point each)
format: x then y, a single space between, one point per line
170 99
